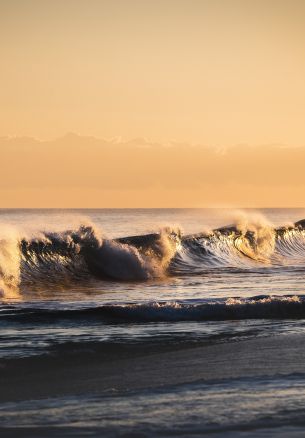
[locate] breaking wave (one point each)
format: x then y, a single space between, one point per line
83 253
254 247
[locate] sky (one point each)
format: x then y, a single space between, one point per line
219 74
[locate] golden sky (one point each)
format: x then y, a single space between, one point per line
215 73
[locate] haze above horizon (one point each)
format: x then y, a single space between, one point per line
219 74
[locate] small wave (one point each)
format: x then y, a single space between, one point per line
232 309
260 307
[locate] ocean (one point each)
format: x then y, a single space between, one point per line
152 322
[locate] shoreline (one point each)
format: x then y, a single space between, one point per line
133 367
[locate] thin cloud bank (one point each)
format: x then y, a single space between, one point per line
88 163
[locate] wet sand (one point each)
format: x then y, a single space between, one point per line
122 368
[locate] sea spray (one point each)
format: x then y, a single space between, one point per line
257 239
10 257
84 253
63 253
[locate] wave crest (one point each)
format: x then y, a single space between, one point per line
84 253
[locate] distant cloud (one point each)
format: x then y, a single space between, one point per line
88 163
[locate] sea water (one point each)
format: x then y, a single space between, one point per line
79 280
